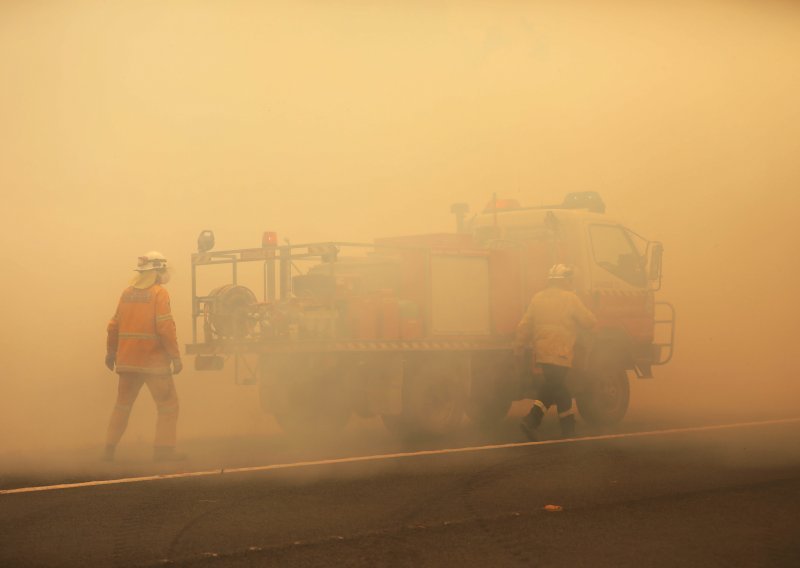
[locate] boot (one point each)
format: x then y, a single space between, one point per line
108 453
567 426
167 453
531 422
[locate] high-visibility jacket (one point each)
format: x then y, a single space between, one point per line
142 332
552 319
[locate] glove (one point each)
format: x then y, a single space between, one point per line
177 366
111 358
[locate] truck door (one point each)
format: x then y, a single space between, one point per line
620 293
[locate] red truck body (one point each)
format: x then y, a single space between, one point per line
419 328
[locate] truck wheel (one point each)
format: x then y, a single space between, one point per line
487 413
491 393
312 409
308 398
605 400
434 397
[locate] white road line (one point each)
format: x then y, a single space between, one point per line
381 457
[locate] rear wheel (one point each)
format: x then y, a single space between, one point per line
488 412
434 395
491 394
308 396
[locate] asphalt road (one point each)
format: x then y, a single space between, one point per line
718 497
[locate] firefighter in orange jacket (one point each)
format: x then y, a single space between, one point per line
553 319
143 347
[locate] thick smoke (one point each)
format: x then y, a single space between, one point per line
131 127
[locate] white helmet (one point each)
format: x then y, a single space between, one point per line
152 260
559 272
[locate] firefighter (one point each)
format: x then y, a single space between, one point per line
142 346
552 321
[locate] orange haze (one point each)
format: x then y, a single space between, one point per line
131 126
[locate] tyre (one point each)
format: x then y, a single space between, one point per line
492 389
307 396
434 396
488 412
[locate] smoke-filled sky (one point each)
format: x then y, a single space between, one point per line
131 126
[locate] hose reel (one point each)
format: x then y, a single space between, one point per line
231 312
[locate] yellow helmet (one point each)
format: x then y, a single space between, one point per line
560 272
152 260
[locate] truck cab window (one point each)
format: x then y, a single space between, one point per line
614 251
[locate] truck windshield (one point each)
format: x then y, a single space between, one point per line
614 251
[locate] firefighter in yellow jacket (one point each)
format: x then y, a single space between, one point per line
142 346
552 321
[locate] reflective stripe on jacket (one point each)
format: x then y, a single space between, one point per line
552 320
142 332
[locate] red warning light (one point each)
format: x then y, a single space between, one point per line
501 205
269 239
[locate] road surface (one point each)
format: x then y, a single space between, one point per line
638 496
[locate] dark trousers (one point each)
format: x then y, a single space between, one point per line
555 390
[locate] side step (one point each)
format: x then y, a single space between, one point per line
643 369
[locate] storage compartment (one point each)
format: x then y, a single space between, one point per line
459 295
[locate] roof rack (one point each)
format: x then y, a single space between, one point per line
590 200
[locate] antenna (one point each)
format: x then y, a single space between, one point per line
460 210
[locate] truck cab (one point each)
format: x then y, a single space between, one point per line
617 273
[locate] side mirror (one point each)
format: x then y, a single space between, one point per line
654 264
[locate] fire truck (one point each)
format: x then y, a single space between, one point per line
418 329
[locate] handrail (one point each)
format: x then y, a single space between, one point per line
670 321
